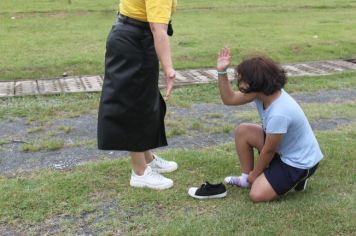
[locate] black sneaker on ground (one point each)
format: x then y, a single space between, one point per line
207 190
301 186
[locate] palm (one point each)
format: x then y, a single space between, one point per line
224 59
223 62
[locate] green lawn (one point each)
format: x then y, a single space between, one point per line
47 38
43 39
328 206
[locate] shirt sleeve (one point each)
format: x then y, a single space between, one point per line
159 11
277 125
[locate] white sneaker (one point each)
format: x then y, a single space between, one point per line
161 165
150 179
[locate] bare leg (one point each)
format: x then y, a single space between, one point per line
138 162
148 156
247 137
261 190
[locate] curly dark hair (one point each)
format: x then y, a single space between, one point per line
261 74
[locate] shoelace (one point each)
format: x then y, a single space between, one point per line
203 186
161 162
155 174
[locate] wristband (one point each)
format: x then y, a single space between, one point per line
222 72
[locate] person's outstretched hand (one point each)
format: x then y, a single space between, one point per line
224 59
170 76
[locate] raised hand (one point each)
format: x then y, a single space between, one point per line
224 59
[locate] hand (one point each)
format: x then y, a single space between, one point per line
170 76
223 60
251 177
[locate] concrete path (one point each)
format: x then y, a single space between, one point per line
183 77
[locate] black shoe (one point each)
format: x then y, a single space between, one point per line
208 190
301 186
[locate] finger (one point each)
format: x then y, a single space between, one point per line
221 52
224 52
227 51
169 88
170 83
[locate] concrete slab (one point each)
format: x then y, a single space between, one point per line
306 70
200 77
292 70
51 86
183 77
332 67
72 84
326 69
345 65
7 89
92 83
28 87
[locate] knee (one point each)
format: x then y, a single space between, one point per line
241 129
257 196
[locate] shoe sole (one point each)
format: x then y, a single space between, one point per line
143 185
221 195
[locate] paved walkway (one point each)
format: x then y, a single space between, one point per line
183 77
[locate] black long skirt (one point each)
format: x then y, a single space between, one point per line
131 109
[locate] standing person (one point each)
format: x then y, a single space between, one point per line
132 110
289 151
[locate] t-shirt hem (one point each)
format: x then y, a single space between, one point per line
158 20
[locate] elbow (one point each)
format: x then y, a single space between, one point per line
268 151
226 101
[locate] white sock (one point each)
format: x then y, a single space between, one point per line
243 180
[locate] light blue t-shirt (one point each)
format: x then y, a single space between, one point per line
299 147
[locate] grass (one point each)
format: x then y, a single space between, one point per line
5 141
326 208
43 39
65 129
41 109
39 201
97 196
50 144
71 37
35 129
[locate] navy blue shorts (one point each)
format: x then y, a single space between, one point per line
283 177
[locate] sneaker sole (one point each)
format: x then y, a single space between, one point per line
143 185
192 194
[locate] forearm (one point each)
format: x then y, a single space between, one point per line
226 92
263 161
161 42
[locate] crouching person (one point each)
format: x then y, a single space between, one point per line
289 151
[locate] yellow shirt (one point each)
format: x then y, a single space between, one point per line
154 11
